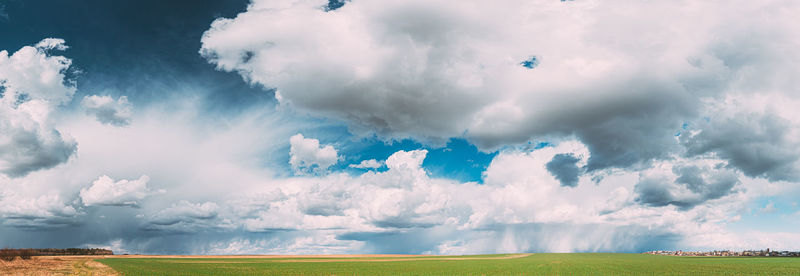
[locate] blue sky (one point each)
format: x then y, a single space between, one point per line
441 127
137 49
118 51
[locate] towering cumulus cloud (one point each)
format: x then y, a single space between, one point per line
672 109
32 84
622 77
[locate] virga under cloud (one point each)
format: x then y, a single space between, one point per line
624 126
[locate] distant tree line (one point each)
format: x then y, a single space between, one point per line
9 254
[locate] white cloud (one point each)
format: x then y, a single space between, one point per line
36 212
32 83
191 156
519 197
621 77
33 72
51 43
307 155
402 197
184 216
367 164
652 102
114 245
105 191
107 110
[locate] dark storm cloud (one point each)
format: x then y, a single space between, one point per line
718 185
757 144
621 130
117 230
32 82
99 226
564 168
184 217
608 238
29 151
519 238
657 192
402 222
37 213
625 132
690 176
323 210
38 223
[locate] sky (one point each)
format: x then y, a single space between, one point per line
420 127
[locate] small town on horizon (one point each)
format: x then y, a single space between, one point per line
728 253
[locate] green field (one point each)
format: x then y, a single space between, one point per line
536 264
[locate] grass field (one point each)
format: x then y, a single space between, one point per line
537 264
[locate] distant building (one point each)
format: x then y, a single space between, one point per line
728 253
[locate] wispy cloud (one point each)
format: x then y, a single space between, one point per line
3 13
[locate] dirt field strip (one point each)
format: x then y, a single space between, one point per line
56 265
36 266
87 266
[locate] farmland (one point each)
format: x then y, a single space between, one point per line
539 264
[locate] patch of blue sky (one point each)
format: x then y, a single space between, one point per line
334 4
458 159
541 145
773 213
118 50
530 63
684 126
